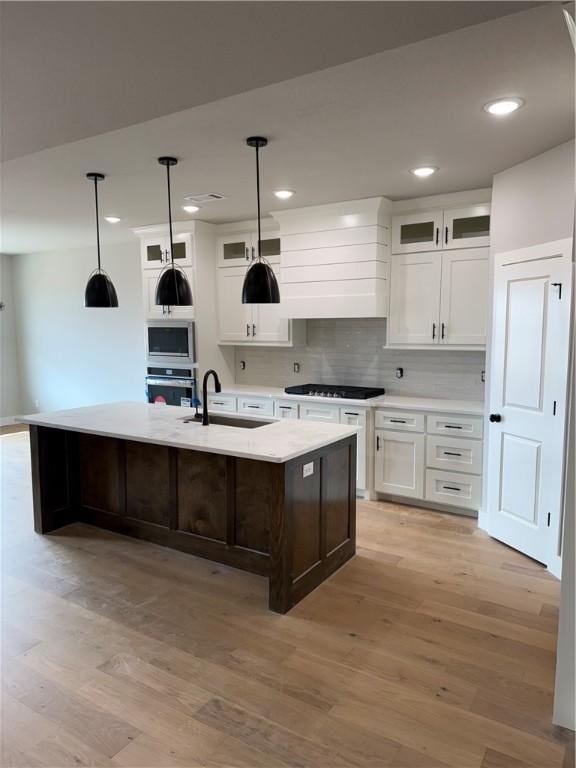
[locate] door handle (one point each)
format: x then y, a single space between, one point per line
443 331
495 417
247 329
451 453
446 236
377 443
559 286
437 235
247 253
253 329
433 330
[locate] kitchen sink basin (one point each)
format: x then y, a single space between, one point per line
230 421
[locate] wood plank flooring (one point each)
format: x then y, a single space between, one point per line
433 647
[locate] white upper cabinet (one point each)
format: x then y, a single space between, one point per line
415 299
417 232
152 310
464 297
238 249
252 324
439 299
155 250
467 227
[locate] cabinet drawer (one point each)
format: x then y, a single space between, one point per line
454 454
286 409
218 402
263 406
400 421
313 412
451 488
457 426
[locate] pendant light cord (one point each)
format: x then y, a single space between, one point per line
97 222
258 202
170 214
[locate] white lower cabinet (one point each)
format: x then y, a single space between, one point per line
226 403
430 457
286 409
399 463
357 417
256 406
313 412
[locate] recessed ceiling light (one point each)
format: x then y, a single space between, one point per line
112 219
283 194
503 106
190 208
424 170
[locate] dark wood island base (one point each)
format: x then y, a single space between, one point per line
294 522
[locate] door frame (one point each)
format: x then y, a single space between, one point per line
562 249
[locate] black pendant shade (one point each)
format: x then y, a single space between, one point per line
260 284
100 291
173 288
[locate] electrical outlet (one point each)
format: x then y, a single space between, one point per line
483 376
308 469
296 367
242 365
399 373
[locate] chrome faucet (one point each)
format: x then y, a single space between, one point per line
217 388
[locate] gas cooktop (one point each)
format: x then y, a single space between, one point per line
334 390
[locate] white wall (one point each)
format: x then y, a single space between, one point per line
69 355
9 380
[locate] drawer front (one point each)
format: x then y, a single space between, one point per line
218 402
313 412
457 426
286 409
458 490
454 454
402 421
256 405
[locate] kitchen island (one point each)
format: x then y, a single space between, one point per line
275 498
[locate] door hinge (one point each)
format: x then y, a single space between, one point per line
554 408
548 522
559 286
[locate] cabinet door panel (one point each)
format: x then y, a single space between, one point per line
234 318
464 297
416 232
399 464
234 250
467 227
268 324
357 417
414 299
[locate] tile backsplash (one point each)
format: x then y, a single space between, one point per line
350 352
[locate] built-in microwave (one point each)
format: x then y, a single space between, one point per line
170 342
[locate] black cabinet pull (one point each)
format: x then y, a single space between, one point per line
451 453
247 254
247 329
446 236
451 488
398 421
437 234
254 406
284 407
452 426
377 443
433 330
495 417
350 413
253 329
443 332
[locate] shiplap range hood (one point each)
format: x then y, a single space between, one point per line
335 259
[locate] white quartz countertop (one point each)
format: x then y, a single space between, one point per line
278 442
434 404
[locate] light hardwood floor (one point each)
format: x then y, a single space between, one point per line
433 647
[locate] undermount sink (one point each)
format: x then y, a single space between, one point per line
230 421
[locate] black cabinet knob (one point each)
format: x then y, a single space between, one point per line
495 417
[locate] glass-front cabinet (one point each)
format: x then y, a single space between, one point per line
467 227
156 250
235 250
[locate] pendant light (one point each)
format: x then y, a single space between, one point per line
260 284
173 289
100 291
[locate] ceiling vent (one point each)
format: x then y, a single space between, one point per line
203 197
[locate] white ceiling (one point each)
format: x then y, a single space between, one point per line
71 70
346 132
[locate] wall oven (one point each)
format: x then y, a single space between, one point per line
170 342
171 386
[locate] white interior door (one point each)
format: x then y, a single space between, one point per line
530 344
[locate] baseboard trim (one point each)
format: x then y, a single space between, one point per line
424 504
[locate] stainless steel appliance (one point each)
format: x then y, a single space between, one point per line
335 390
170 342
171 386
